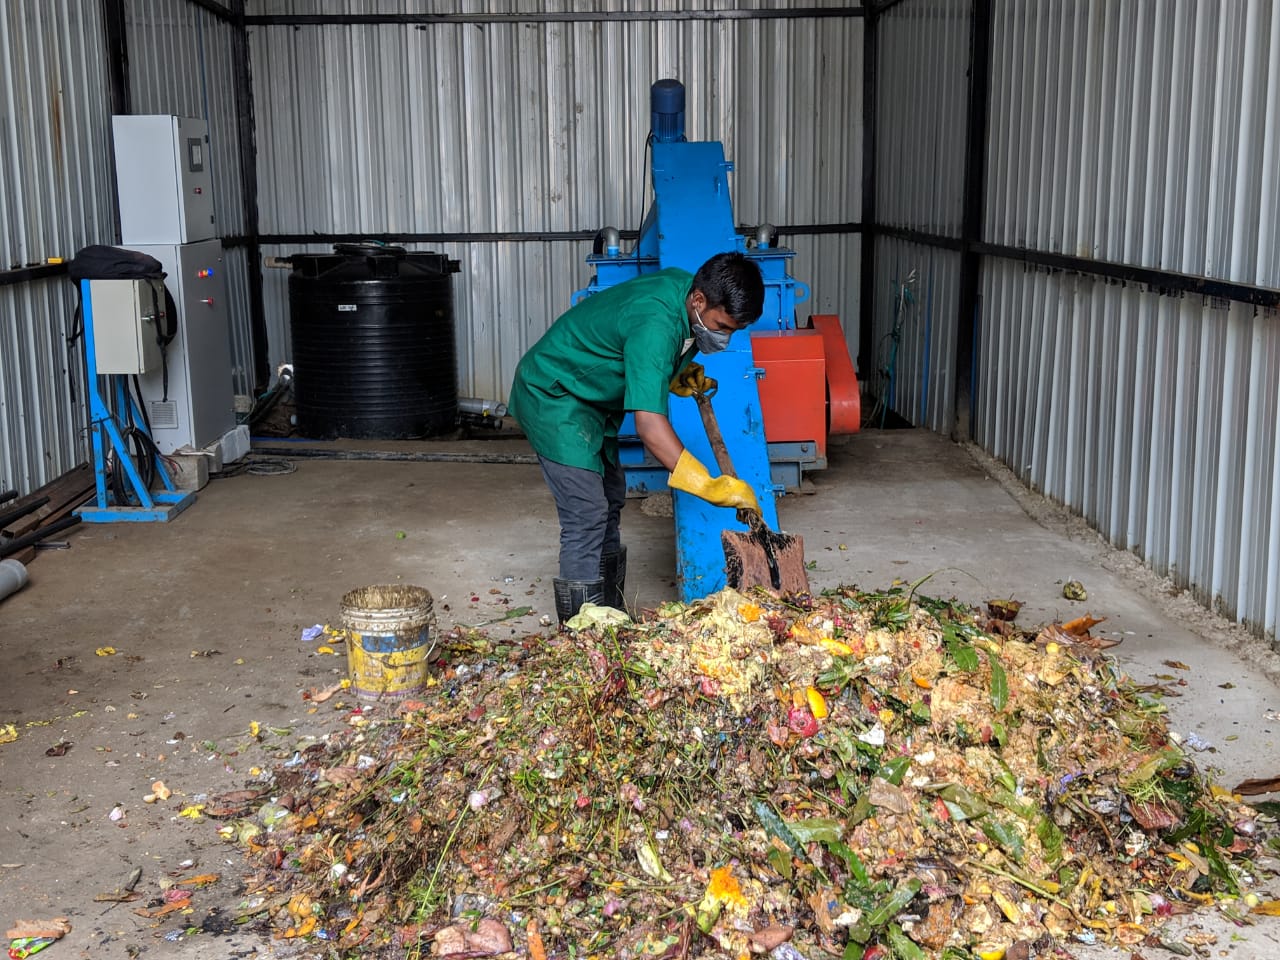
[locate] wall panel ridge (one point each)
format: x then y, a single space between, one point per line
55 195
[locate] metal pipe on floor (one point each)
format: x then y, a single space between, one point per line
313 453
8 516
35 536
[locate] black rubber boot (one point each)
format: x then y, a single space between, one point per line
572 594
613 571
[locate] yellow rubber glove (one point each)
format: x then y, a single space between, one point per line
724 491
692 380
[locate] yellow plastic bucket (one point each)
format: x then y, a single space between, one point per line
391 633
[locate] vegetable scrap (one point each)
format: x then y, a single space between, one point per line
1074 590
854 775
321 695
175 898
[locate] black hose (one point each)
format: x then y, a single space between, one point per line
7 495
313 453
35 536
13 514
138 446
267 402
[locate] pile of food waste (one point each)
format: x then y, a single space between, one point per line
854 775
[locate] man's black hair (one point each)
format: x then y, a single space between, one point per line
732 282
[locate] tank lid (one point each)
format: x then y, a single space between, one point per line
359 261
369 248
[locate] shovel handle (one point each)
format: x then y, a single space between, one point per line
714 435
750 517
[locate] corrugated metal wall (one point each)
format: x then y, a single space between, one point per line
1138 132
57 186
1144 133
180 63
921 98
1154 416
1129 132
917 290
540 126
55 191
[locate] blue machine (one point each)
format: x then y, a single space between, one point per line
151 506
690 221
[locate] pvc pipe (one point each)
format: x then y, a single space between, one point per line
482 408
13 577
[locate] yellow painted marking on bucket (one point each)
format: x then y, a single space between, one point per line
390 675
391 640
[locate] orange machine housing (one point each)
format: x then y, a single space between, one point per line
809 390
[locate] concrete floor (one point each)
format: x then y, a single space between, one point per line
258 558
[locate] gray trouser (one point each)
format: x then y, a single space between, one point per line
589 507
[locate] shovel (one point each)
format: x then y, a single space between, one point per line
760 558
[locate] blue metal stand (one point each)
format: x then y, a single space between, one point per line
691 221
152 507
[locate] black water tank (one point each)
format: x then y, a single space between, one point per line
373 343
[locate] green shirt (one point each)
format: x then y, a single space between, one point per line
614 352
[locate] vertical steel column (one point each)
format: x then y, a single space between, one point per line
975 184
117 54
249 190
867 286
117 72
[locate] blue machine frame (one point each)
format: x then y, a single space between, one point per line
691 220
157 506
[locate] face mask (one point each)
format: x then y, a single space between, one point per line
707 340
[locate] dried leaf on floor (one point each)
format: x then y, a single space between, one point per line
1253 788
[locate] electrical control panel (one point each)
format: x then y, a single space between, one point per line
128 316
189 402
163 179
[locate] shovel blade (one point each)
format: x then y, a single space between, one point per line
747 556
